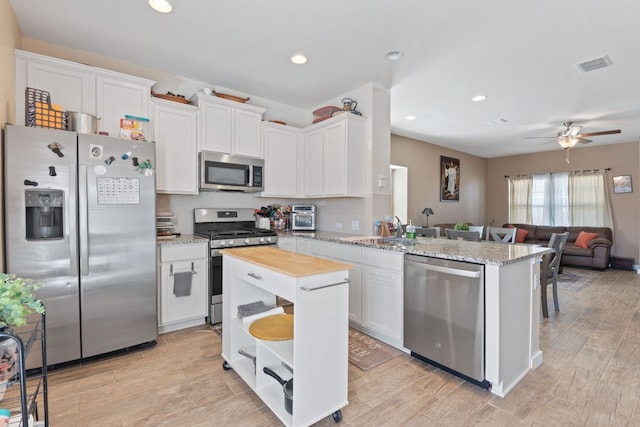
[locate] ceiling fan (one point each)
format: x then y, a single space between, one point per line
570 136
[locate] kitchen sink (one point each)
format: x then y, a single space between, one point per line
376 240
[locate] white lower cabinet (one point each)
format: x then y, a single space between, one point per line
352 255
182 294
318 352
287 244
382 295
313 247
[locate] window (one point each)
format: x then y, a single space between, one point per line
565 198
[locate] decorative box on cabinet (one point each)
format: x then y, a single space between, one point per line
174 131
177 312
340 143
281 152
228 127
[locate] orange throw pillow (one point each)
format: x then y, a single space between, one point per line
584 238
521 234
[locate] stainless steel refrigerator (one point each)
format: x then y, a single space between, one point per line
79 213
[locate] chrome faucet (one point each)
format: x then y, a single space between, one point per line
399 228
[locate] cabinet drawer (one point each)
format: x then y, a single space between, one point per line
171 253
384 259
266 279
346 253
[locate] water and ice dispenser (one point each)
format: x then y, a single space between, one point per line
44 213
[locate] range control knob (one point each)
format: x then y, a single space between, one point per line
261 240
247 241
269 239
230 242
223 243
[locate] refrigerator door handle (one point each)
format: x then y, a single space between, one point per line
70 223
83 220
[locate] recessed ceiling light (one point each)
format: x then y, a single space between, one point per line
162 6
479 98
411 117
393 55
299 59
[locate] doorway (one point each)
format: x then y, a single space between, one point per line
399 191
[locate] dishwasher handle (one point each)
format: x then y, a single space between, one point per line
448 270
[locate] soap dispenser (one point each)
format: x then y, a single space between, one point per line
410 232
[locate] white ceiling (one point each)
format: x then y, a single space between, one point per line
521 54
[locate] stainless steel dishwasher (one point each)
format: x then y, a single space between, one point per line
444 315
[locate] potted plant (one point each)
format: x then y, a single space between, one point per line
17 300
461 226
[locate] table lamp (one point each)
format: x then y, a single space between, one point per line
427 212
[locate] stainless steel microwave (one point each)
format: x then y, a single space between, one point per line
224 172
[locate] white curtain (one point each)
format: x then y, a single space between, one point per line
520 200
589 199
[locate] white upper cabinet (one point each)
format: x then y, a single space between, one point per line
281 152
313 163
76 87
335 153
229 127
69 84
175 134
118 95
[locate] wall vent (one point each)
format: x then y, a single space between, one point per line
595 64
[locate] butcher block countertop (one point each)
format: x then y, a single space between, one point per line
285 262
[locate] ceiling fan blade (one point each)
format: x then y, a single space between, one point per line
583 140
545 143
604 132
537 137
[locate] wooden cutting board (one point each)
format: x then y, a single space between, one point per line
285 262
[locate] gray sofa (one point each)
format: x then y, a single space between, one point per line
596 255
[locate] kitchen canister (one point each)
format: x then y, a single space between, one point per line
264 223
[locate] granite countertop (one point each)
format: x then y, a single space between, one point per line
477 252
184 239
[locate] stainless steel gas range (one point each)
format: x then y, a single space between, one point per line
226 228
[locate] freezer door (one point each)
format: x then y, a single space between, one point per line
32 165
117 244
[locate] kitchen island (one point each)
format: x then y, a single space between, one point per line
512 293
316 352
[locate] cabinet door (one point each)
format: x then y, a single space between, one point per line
247 128
335 159
313 164
69 86
174 130
287 244
215 127
382 302
116 98
181 308
280 159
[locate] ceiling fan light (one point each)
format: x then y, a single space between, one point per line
568 143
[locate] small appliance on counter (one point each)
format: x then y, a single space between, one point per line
303 218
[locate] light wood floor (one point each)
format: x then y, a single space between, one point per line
590 376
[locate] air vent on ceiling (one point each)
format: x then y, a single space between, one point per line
595 64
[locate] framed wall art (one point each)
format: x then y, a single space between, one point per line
622 184
449 179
